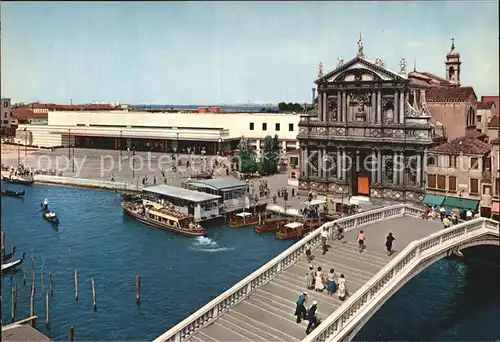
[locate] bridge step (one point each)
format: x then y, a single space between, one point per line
250 328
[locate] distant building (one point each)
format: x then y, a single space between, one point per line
6 117
462 168
486 110
493 129
493 98
495 172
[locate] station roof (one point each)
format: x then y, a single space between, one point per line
220 183
187 195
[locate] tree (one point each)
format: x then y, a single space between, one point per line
270 154
290 107
246 157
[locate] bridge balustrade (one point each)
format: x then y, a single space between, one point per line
215 308
350 317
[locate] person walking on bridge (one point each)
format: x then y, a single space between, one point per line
311 317
300 310
324 237
388 243
361 241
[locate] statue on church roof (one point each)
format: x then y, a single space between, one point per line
320 69
360 47
379 62
402 66
340 61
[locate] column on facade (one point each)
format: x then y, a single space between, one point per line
344 164
396 107
344 107
424 167
373 113
283 146
402 97
339 164
339 108
395 167
325 107
320 106
374 166
320 162
305 161
379 106
401 168
379 167
419 169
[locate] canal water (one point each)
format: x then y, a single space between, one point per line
451 300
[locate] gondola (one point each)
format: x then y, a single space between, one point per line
10 193
49 216
10 265
17 180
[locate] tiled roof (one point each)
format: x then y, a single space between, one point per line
451 94
494 122
485 104
466 145
26 113
495 99
427 79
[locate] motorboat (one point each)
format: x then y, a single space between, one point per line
18 180
10 193
11 265
270 225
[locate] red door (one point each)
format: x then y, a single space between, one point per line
363 185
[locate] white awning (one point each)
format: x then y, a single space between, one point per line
315 202
244 214
294 225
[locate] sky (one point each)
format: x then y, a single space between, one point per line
229 52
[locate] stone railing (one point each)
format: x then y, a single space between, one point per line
349 317
85 183
215 308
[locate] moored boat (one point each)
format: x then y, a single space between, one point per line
10 193
164 217
18 180
296 230
10 265
8 256
270 225
243 219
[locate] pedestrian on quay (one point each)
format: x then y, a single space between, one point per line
312 317
154 180
332 286
309 255
388 243
361 241
342 288
300 310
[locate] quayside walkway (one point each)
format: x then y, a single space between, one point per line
261 306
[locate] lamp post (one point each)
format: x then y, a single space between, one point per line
69 143
73 158
120 146
133 163
177 145
219 141
25 142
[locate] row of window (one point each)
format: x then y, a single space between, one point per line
277 126
439 182
452 162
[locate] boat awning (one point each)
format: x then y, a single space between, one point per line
495 208
294 225
315 202
461 203
244 214
434 200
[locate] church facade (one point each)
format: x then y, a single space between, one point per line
368 134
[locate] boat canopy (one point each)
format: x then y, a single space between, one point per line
294 225
315 202
244 214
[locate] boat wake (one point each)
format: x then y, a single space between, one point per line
206 244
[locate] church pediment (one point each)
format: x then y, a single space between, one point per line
360 69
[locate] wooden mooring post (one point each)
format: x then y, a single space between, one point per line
47 310
94 304
50 284
71 334
3 241
14 303
76 283
138 289
32 303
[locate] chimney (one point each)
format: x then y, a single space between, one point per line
313 95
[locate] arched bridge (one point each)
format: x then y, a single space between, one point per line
261 306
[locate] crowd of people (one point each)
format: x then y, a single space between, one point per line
448 218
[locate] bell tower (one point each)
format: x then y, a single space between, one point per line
453 65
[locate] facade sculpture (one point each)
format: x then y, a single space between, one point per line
360 47
361 141
340 61
320 69
402 66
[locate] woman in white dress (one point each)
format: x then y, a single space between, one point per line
319 285
342 289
